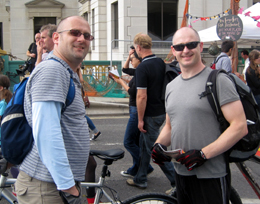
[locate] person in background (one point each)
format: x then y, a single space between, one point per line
244 55
90 173
91 125
132 133
52 171
223 60
253 74
32 51
46 43
5 97
202 173
150 108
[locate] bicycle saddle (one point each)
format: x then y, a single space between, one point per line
111 154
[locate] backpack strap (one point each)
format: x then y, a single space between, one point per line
217 59
71 91
211 93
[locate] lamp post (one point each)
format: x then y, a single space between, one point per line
234 6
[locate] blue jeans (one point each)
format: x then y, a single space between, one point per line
152 126
131 140
90 123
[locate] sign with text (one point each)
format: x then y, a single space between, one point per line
229 27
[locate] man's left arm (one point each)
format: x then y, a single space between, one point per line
141 100
234 114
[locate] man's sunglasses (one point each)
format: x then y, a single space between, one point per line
190 46
77 33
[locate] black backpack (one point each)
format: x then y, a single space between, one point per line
249 144
172 70
16 133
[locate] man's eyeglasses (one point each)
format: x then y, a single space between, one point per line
77 33
190 46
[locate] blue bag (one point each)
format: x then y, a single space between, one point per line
16 133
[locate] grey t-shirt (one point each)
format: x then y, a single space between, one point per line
50 82
194 124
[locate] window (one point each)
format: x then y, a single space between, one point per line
40 21
85 16
93 28
162 19
114 24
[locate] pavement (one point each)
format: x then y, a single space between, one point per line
102 106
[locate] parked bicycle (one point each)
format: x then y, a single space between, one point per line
104 193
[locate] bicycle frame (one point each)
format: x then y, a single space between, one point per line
100 185
248 176
4 192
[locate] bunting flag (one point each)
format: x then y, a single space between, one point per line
255 18
241 10
209 17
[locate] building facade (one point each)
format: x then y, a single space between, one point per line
114 23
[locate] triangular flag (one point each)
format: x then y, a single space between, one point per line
247 13
256 17
258 24
241 10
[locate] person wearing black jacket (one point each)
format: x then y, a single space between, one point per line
253 74
132 133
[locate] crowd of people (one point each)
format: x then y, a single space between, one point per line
62 143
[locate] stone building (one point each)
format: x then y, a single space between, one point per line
114 23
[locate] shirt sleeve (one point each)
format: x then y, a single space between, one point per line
141 79
49 141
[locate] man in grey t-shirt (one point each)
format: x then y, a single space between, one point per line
191 125
57 162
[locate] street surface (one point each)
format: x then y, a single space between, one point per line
113 129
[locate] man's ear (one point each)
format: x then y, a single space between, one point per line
55 37
173 51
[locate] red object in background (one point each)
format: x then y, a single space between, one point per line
258 152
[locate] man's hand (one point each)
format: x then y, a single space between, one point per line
192 159
158 156
141 126
72 196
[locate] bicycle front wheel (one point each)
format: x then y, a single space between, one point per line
151 198
234 197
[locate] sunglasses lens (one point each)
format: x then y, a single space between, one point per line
179 47
191 45
75 33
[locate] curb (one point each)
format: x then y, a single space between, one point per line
107 106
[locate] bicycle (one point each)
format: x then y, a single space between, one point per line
108 156
244 169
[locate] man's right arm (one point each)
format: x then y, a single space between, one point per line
141 100
28 53
39 52
50 145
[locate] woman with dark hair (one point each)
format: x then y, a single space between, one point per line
132 133
253 74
